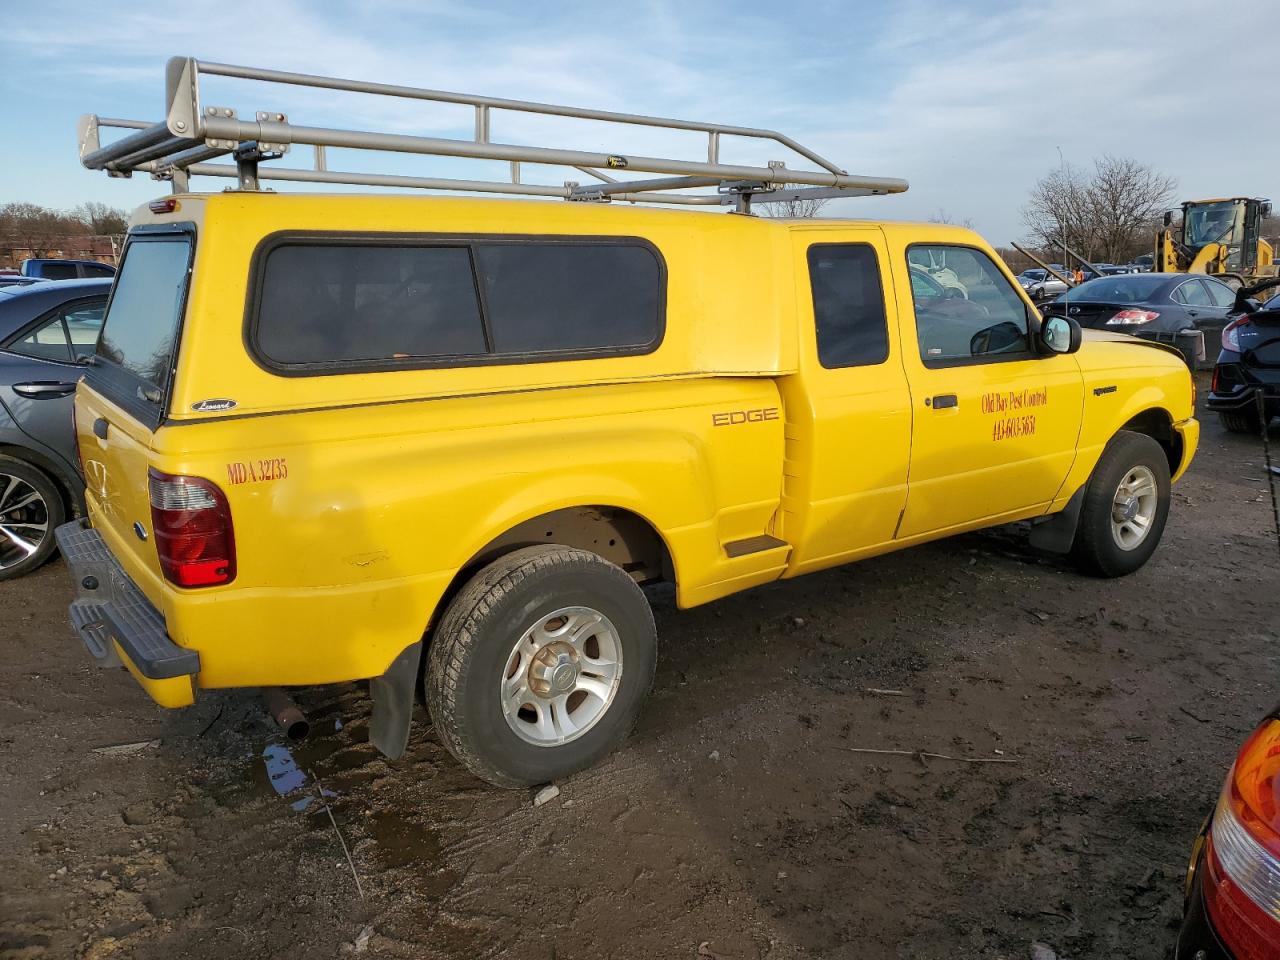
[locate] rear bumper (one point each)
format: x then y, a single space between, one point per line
118 624
1241 396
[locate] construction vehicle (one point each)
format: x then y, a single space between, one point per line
1217 237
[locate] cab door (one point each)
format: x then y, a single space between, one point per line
995 425
848 429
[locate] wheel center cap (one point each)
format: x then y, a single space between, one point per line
1126 509
564 677
554 671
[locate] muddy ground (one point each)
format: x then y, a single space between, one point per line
738 822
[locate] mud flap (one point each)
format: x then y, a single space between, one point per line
393 702
1057 533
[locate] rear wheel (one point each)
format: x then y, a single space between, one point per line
30 507
540 665
1125 507
1241 421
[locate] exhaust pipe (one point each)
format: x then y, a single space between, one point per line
286 713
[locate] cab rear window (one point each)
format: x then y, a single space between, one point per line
142 317
325 305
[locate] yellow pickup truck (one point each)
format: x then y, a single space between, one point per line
466 432
328 438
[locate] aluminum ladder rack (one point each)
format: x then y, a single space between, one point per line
193 134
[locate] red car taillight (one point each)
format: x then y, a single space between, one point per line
1133 316
191 522
1231 335
1242 879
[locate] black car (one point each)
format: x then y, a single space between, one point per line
45 330
1248 365
1179 309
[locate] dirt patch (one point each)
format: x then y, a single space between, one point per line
739 822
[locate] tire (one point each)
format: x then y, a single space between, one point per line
482 649
39 502
1241 421
1097 549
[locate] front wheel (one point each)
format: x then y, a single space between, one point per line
1125 507
540 665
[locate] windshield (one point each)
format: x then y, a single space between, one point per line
142 317
1126 288
1211 222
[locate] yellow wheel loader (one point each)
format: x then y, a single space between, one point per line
1217 237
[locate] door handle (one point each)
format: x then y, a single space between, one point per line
43 389
942 401
100 428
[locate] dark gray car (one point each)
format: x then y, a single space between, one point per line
1187 311
45 330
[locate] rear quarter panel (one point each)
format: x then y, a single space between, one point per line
351 523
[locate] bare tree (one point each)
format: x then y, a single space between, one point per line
943 217
1128 199
102 220
1106 216
792 209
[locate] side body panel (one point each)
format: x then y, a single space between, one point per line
350 523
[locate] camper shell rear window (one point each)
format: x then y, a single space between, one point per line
136 352
324 303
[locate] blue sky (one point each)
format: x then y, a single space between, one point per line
969 101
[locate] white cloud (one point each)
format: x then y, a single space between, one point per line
968 101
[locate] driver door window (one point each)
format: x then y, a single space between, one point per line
966 311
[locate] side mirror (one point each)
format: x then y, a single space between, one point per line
1266 210
1168 217
1059 334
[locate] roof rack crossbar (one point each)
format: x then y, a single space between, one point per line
192 134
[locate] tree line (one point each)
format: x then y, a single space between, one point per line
29 229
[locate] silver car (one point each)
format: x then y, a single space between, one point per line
46 331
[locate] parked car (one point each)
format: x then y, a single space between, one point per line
58 269
1248 365
1182 310
1047 289
1231 908
1031 275
452 458
46 330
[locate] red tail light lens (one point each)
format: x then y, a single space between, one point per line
1242 882
1231 335
1132 316
191 522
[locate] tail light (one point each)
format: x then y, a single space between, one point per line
191 523
1242 875
1231 335
1133 316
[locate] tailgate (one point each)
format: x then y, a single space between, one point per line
115 450
122 399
